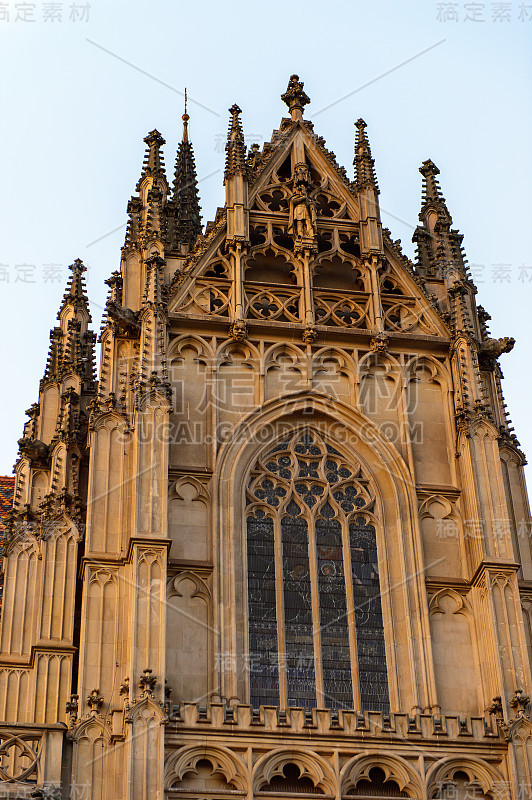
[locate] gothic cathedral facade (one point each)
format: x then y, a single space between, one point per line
282 544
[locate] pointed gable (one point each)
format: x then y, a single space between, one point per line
312 252
296 144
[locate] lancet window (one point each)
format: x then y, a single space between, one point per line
316 635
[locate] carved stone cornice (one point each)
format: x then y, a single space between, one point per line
461 585
370 729
145 541
487 566
37 650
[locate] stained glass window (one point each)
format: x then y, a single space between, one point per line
262 609
336 656
314 600
372 675
298 634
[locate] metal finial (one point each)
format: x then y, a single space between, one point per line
185 119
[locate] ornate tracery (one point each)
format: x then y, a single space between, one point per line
316 634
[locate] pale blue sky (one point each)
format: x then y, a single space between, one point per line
74 117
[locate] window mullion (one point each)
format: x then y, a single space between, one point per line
281 648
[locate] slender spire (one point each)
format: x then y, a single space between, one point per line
185 194
71 343
363 161
295 98
153 164
438 245
371 243
432 193
76 292
235 160
153 194
61 415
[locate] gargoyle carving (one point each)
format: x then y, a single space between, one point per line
493 348
34 449
124 317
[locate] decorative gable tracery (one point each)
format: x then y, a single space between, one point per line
341 292
302 232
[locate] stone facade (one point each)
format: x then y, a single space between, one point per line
282 544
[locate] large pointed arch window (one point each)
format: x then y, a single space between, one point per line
316 634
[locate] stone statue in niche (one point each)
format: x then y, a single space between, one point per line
302 210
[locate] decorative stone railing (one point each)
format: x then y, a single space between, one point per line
338 723
30 756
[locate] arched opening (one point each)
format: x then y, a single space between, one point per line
290 782
459 787
316 635
376 785
203 778
269 268
338 274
